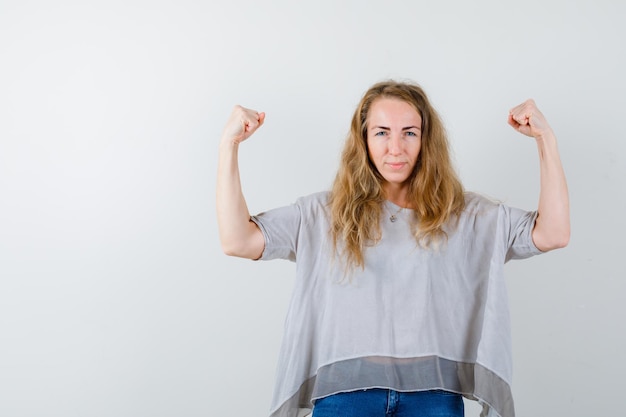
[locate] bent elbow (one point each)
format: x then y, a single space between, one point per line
563 241
229 250
554 241
245 250
233 249
557 244
247 243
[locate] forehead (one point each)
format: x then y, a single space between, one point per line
392 111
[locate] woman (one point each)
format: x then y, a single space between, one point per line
399 306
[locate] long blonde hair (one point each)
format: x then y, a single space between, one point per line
356 199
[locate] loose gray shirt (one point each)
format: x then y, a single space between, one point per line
412 319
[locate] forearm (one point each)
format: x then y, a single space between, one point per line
552 228
238 235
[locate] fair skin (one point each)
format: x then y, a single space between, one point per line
394 141
238 234
552 227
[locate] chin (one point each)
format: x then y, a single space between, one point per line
396 180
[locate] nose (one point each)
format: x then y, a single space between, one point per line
395 145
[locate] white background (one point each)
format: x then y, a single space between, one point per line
115 298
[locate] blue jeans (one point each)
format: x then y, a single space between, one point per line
390 403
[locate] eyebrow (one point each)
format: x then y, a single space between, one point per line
404 128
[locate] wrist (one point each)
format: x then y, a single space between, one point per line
548 147
546 138
227 143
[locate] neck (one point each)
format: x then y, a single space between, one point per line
397 194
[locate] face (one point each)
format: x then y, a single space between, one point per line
394 140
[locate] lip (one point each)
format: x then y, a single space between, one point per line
396 165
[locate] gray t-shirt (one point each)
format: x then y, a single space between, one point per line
412 319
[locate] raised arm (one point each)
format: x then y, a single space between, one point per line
238 234
552 227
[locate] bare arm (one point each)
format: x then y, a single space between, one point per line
239 236
552 227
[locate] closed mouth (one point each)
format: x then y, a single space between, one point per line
396 165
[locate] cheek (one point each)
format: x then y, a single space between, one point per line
376 154
374 158
372 151
418 150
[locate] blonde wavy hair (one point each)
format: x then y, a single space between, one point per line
356 199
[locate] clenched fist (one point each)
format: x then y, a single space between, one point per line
527 119
241 124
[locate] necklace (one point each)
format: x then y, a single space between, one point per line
394 216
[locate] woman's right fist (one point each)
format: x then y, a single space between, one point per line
241 124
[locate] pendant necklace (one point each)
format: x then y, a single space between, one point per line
394 216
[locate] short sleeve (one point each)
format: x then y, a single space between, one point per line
520 224
280 228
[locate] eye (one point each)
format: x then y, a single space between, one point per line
380 133
409 133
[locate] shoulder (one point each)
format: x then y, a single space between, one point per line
313 206
313 201
475 202
480 206
481 209
302 205
320 197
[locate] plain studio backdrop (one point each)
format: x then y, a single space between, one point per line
115 297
